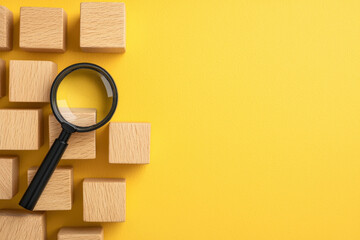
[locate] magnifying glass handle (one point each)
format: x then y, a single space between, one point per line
46 169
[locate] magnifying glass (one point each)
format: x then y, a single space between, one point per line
79 87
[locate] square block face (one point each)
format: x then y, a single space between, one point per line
81 233
9 176
102 27
58 193
6 29
80 145
21 129
18 225
43 29
129 143
2 77
104 200
30 81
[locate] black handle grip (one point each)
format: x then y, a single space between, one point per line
46 169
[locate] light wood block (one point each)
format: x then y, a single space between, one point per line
58 193
9 176
81 233
21 225
129 143
43 29
80 145
102 27
104 200
21 129
2 77
30 81
6 29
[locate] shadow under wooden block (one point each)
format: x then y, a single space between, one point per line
102 27
6 29
21 129
80 145
43 29
58 193
2 77
21 225
30 81
129 143
104 199
9 176
81 233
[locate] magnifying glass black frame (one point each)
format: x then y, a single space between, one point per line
51 160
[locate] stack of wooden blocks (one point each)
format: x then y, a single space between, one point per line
102 29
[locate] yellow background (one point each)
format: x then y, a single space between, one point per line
255 113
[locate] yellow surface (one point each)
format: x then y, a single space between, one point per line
255 113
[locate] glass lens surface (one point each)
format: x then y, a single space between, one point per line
84 97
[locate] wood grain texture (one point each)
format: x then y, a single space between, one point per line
80 145
81 233
2 78
9 176
21 225
102 27
104 200
6 29
30 81
21 129
129 143
58 193
43 29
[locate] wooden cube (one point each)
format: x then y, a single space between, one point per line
9 176
81 233
104 200
21 225
102 27
43 29
58 193
30 81
2 77
129 143
6 29
80 145
21 129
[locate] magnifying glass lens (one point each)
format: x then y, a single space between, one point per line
84 91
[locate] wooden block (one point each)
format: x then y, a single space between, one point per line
81 233
80 145
43 29
102 27
129 143
58 193
21 129
6 29
104 200
30 81
9 176
21 225
2 77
